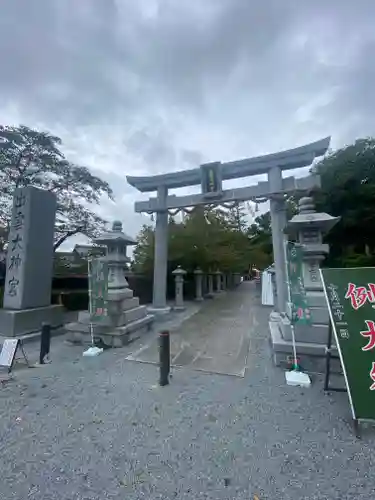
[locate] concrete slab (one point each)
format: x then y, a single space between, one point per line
216 339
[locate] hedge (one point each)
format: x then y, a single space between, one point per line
72 292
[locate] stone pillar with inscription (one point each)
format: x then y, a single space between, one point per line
30 254
309 227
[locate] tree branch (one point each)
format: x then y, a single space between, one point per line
67 235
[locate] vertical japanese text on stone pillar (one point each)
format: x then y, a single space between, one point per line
30 249
15 253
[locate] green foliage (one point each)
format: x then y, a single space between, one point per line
348 191
32 158
143 254
236 217
217 239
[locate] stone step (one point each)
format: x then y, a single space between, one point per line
115 337
134 314
130 303
125 334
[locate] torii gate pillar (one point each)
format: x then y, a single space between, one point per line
159 289
278 224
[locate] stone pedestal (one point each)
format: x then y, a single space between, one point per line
17 323
124 319
309 227
27 293
179 274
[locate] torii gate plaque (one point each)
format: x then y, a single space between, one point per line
210 177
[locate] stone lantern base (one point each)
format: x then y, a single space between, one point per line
117 331
311 345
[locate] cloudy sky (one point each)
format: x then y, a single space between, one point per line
150 86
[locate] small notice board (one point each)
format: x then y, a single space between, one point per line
350 295
8 353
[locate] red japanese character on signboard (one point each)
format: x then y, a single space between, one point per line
372 375
370 333
360 295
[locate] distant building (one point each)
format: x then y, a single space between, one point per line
84 251
74 263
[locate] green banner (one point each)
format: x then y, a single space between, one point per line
350 295
299 307
98 286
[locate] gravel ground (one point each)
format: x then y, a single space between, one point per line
101 429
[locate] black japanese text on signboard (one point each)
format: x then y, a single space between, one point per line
350 296
98 281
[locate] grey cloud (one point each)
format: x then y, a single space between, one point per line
192 81
52 42
112 58
194 158
155 145
152 146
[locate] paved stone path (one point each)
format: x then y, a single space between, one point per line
100 428
216 339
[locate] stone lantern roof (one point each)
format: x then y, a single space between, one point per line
116 235
308 218
179 271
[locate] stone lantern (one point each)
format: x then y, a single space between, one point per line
116 243
309 227
218 281
125 317
179 274
210 285
198 273
224 281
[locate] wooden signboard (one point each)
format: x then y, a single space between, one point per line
8 353
350 295
98 289
300 310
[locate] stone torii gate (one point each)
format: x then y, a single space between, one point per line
211 176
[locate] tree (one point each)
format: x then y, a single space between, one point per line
348 191
143 254
237 217
32 158
206 239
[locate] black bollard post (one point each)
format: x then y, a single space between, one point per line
164 357
45 342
